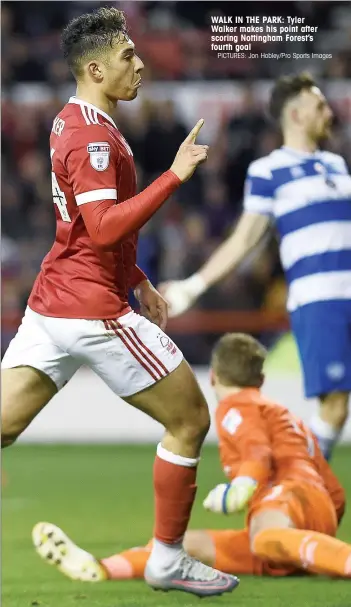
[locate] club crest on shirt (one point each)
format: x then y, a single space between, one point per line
99 153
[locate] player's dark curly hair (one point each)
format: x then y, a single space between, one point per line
90 34
286 88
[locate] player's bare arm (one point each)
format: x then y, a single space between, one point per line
247 234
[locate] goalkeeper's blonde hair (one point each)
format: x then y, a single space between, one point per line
238 359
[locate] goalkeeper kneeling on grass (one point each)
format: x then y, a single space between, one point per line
275 470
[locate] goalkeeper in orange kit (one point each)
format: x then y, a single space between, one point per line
275 469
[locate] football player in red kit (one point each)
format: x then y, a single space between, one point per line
78 312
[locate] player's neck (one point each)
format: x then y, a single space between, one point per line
97 99
299 142
223 392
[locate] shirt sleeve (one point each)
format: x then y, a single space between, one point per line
259 190
242 430
92 163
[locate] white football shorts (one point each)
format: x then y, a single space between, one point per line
129 353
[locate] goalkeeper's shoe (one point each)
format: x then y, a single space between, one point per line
53 545
189 575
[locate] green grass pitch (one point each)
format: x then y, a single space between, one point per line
102 497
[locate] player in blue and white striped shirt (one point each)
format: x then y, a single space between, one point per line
307 193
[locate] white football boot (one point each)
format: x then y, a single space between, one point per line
53 545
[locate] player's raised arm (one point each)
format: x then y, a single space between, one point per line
252 225
95 188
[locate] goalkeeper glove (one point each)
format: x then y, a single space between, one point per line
231 497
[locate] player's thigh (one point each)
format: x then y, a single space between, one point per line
323 335
277 507
272 516
142 365
24 392
33 369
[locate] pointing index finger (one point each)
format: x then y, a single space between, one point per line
194 132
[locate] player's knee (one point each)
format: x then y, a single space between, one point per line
335 408
199 424
6 440
10 425
194 426
9 433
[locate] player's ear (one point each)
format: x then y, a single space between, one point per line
295 115
261 381
95 71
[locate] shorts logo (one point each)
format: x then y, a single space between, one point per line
167 343
335 371
99 155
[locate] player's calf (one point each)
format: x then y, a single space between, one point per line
334 408
329 422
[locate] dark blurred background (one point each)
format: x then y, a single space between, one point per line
183 81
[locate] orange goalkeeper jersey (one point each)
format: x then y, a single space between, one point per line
263 440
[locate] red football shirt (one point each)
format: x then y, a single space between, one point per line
91 162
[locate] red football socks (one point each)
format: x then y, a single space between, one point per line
175 491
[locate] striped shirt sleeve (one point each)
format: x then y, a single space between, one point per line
259 191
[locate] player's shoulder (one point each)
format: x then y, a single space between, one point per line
81 123
264 167
334 160
270 166
270 409
235 409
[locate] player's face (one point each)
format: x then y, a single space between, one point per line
316 115
122 73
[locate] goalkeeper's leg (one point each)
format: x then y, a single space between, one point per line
274 539
226 550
